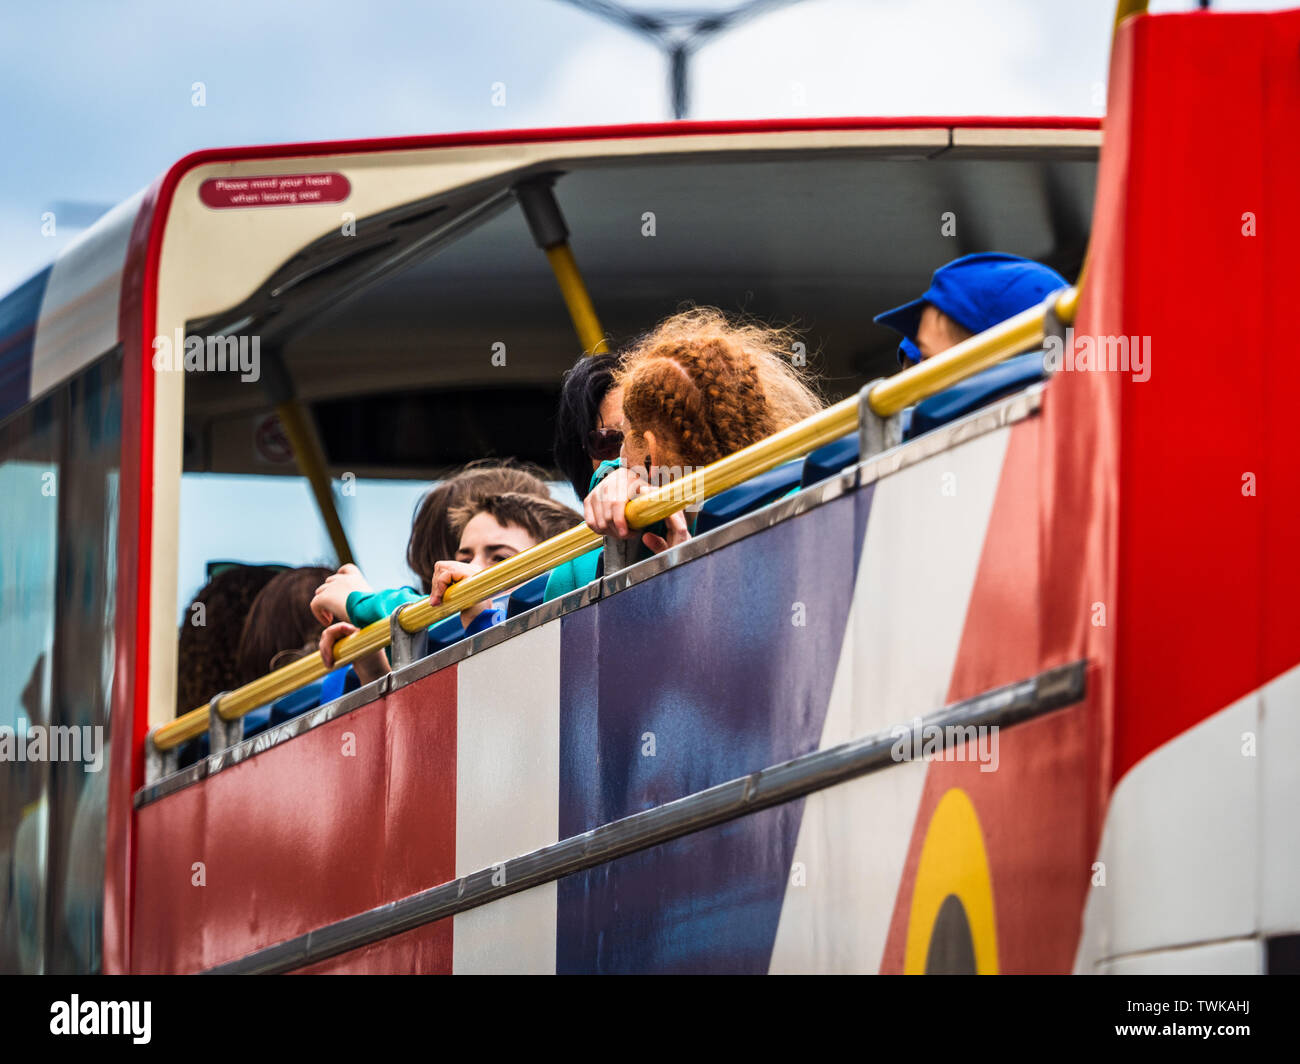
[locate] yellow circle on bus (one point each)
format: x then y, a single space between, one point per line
952 882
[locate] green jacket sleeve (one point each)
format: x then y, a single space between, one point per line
367 607
572 575
581 571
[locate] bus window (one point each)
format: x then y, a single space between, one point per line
281 526
29 471
58 561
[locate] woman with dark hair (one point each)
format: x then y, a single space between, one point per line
493 528
589 422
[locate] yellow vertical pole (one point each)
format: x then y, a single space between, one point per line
577 299
311 463
308 454
551 234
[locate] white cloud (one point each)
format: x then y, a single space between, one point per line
612 78
887 57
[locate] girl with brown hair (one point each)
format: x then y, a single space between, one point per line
279 627
347 596
492 528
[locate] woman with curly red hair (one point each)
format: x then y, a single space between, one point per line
696 389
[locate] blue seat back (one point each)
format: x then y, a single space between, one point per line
257 720
745 498
1006 378
828 460
445 633
338 683
192 751
527 596
195 750
295 703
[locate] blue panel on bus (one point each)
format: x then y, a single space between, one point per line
18 313
706 673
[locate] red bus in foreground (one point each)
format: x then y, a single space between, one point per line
1013 695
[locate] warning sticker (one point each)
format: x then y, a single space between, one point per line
274 190
271 444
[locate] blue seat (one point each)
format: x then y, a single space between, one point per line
192 751
826 461
294 703
195 750
1006 378
745 498
338 683
527 596
257 720
445 633
291 705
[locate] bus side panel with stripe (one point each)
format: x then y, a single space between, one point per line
745 646
704 673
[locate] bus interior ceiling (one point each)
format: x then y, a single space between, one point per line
391 340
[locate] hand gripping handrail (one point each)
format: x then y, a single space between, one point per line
888 397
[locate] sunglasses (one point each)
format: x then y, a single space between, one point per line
604 444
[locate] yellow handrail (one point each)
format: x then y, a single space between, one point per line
1124 9
887 397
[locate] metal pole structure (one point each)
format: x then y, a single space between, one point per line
298 426
677 33
551 234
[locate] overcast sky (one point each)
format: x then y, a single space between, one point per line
95 95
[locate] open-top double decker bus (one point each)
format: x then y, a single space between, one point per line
1013 694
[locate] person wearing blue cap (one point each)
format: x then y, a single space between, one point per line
965 297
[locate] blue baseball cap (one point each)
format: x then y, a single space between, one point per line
976 291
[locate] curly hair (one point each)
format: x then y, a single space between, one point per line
709 386
209 638
434 538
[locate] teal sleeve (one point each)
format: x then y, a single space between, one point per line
572 575
581 571
367 607
603 470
